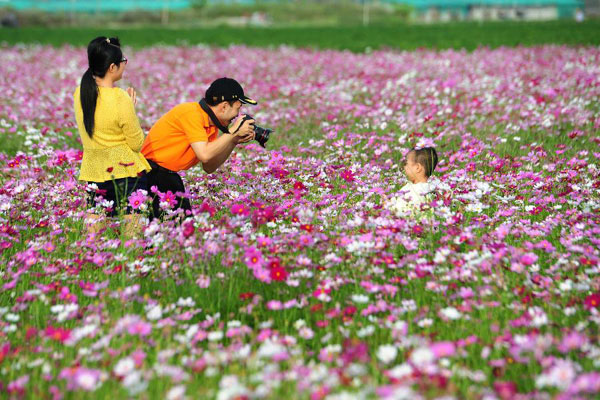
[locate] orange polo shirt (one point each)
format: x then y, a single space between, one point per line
168 142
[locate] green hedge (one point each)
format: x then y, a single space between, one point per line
454 35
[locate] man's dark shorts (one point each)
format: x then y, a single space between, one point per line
166 180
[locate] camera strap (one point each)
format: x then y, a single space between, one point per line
212 116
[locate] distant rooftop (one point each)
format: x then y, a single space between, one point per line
466 3
125 5
95 5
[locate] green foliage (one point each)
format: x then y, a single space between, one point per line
355 38
202 14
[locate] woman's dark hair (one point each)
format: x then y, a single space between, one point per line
428 158
102 52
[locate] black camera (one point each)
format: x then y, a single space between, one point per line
261 135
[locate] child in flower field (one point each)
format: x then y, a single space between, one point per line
109 129
418 167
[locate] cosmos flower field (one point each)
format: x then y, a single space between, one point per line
291 280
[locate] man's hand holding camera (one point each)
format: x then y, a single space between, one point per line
243 130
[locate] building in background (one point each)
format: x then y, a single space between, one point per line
92 6
492 10
591 8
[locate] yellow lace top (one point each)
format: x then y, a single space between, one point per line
113 151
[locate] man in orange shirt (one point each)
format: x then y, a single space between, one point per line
188 135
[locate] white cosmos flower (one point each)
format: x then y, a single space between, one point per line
134 383
10 317
450 313
538 316
474 207
566 285
187 302
366 331
422 357
570 311
306 333
270 348
386 353
230 388
401 371
124 367
299 323
154 313
87 380
176 393
360 298
215 336
425 322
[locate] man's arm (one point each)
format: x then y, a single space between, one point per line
213 154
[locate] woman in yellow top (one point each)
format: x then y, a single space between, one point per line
109 128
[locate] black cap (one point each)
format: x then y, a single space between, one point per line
226 89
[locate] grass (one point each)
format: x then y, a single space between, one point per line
466 35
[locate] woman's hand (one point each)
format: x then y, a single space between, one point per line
131 92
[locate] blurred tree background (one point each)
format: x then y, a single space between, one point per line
276 13
204 13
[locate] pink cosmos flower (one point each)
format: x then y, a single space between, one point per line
138 357
321 291
264 241
327 356
347 175
443 349
80 378
169 199
262 274
18 385
529 258
355 350
91 289
506 390
592 301
139 328
278 273
205 207
305 240
586 383
320 393
137 199
57 333
240 209
274 305
571 341
49 247
203 281
575 133
188 229
87 379
253 258
65 294
466 292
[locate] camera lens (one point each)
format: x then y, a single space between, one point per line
261 135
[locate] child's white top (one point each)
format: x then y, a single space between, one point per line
410 197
